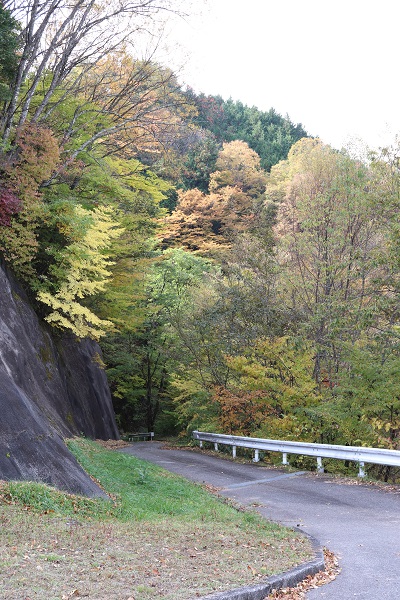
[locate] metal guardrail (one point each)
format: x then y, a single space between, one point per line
359 454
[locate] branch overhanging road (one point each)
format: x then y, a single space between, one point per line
359 523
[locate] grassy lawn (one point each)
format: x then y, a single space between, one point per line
158 536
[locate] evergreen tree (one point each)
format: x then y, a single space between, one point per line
10 42
267 133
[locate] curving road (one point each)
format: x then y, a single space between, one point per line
359 523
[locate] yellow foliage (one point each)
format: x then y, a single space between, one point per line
87 274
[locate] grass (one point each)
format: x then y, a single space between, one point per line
159 536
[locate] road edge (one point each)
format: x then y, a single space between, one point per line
283 580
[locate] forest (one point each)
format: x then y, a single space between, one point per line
239 275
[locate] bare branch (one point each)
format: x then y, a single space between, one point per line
60 35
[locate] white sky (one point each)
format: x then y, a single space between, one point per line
331 65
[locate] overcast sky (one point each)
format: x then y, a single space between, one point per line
331 65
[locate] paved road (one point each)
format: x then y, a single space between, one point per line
359 523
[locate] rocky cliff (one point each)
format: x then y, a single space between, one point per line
51 388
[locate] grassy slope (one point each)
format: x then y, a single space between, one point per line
159 537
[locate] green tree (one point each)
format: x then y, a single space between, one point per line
9 45
141 361
274 378
328 234
364 408
200 162
267 133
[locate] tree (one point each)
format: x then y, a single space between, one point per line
238 166
328 234
208 223
195 223
87 272
364 409
9 205
385 185
141 361
242 412
199 163
136 106
9 45
267 133
61 38
35 158
271 387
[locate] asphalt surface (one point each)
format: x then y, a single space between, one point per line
359 523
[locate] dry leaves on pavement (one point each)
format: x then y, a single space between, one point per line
330 573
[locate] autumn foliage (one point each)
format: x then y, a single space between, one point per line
209 223
240 274
9 205
242 413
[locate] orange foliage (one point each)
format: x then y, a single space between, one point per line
241 413
209 223
36 156
196 223
34 159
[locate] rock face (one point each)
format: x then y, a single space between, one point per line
51 388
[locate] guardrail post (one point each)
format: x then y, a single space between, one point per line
284 458
361 472
320 468
201 443
234 451
215 446
256 457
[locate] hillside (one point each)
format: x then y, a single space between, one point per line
239 275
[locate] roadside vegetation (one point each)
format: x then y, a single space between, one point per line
158 536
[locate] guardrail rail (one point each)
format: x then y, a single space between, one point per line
359 454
